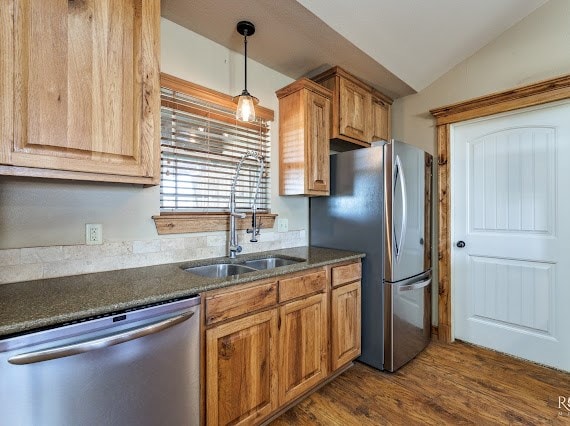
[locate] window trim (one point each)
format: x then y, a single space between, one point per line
188 222
209 95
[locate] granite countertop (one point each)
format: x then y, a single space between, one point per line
30 305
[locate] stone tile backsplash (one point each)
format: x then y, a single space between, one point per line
34 263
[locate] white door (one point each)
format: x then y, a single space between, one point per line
511 207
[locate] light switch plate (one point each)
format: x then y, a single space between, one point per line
282 224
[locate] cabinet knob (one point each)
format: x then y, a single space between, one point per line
460 244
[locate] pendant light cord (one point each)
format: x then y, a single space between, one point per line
245 59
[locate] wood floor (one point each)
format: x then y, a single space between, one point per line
446 384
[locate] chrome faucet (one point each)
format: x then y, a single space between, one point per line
234 247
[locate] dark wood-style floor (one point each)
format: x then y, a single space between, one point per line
446 384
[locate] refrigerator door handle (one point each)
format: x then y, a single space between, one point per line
103 342
400 174
415 286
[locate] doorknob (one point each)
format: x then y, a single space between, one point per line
460 244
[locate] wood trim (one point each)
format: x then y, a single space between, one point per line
535 94
434 332
444 237
208 114
180 85
338 71
151 95
35 172
304 83
7 80
182 223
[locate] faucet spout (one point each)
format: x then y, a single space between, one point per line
234 247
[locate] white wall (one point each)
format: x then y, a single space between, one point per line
537 48
35 212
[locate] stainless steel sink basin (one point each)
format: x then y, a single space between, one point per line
219 270
271 262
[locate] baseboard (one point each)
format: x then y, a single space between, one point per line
434 332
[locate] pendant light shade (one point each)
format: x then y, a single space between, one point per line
246 107
245 102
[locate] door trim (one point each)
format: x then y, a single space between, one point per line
521 97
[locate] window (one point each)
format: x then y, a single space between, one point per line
201 144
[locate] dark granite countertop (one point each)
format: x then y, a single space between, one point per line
30 305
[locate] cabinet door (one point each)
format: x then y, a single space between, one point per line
303 350
317 134
241 370
380 120
355 111
83 87
345 324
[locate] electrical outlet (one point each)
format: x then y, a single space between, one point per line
93 233
282 224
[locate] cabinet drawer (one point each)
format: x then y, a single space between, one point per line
345 274
235 303
291 288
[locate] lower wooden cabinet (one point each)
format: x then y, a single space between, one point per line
241 370
303 346
345 324
296 334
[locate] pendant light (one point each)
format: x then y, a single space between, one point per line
245 102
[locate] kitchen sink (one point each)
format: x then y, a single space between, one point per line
271 262
219 270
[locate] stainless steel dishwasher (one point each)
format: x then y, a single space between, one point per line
133 367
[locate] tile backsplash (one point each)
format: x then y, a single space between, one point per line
34 263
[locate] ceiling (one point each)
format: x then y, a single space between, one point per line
398 46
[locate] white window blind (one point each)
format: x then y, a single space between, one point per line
201 144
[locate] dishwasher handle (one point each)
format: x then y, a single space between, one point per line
100 343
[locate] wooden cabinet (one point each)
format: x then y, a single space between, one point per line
354 110
345 314
241 362
79 90
359 115
268 343
304 111
345 324
381 117
303 346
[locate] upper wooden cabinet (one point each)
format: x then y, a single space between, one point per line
359 115
381 117
79 89
304 111
354 111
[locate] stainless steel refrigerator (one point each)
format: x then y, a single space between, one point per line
380 204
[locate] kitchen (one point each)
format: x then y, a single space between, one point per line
43 221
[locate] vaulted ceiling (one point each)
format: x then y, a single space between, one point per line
398 46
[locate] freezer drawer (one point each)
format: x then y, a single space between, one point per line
407 322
